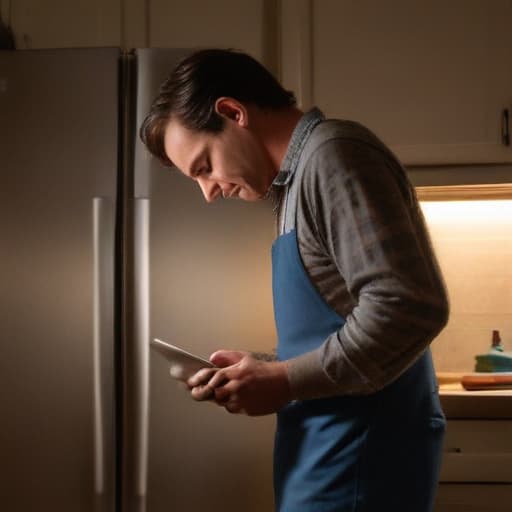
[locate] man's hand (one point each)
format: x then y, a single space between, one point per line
242 384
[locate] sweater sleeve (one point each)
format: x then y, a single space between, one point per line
367 219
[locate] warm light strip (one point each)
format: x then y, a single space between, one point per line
469 212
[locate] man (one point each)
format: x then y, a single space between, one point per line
358 295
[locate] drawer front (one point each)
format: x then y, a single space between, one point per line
473 498
477 451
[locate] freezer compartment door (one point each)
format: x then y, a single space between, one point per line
59 159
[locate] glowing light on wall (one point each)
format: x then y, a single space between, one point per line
468 212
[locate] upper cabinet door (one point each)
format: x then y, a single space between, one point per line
250 25
65 23
432 79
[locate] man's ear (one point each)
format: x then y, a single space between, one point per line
232 109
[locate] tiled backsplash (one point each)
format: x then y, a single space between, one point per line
473 243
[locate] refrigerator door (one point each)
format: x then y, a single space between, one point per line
209 288
58 171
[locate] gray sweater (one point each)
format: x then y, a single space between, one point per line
365 247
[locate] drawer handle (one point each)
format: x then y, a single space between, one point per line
505 133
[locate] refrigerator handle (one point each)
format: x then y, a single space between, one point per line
102 342
141 342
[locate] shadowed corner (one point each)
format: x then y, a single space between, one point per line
6 37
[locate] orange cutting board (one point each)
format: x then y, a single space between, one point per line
480 381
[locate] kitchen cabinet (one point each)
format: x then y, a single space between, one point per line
476 474
478 451
432 79
64 23
447 175
473 498
251 25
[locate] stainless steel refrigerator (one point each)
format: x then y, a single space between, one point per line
101 249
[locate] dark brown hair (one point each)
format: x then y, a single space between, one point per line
190 93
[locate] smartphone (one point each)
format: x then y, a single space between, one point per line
183 364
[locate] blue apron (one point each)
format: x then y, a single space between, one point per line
373 453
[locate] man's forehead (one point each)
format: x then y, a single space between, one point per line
178 135
183 146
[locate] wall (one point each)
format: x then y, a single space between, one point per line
473 242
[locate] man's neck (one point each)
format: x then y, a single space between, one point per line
275 129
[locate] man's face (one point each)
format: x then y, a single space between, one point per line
230 164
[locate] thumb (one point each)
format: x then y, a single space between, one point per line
223 358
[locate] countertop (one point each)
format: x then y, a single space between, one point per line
460 403
490 404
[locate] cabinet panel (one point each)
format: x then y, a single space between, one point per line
66 23
430 78
473 498
196 23
477 451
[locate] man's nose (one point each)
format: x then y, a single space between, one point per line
210 189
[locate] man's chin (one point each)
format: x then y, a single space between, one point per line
251 196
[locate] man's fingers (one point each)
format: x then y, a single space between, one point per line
235 408
223 358
220 378
226 393
202 392
201 377
204 384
